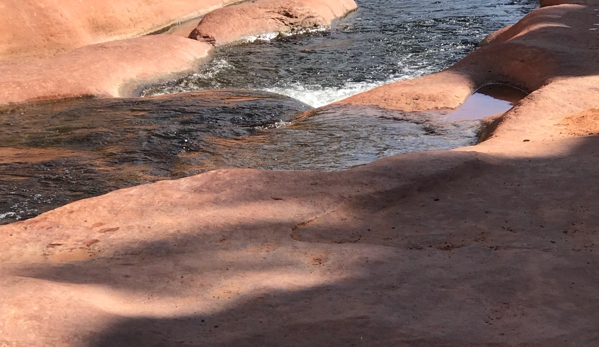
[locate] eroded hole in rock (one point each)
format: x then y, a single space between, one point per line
488 101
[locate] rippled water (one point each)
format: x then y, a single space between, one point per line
58 152
384 40
54 153
342 137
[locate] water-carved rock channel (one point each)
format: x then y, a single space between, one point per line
54 153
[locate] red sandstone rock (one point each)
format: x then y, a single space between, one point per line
117 68
257 17
544 3
551 52
108 69
491 245
44 27
441 248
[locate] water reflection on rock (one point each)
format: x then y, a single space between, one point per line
55 153
340 137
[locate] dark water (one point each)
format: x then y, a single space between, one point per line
384 40
56 153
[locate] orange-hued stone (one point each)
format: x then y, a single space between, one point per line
108 69
234 23
491 245
40 28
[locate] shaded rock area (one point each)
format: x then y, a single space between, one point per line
56 153
489 245
414 250
114 68
234 23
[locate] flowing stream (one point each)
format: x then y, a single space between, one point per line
57 152
381 42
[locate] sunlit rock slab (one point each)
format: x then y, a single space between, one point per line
43 28
234 23
109 69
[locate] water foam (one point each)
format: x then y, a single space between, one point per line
209 72
317 96
274 35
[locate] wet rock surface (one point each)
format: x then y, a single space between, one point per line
341 137
360 51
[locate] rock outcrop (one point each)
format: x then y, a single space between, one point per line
251 18
491 245
525 55
45 27
114 69
117 68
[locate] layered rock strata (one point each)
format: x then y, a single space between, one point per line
251 18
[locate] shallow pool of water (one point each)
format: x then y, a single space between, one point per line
488 101
341 137
54 153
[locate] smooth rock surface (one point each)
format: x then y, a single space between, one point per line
490 245
251 18
426 249
44 27
114 69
